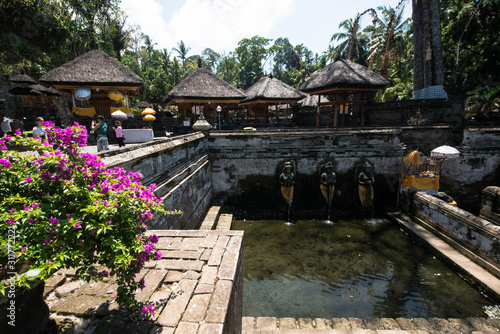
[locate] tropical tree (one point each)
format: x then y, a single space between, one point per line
353 38
387 37
229 69
211 59
471 41
182 50
251 54
284 57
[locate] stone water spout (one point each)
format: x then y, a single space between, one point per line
327 185
366 179
287 181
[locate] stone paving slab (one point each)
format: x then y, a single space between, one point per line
188 294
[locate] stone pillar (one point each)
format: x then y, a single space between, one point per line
490 206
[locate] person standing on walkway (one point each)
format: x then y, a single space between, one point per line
101 128
38 130
119 133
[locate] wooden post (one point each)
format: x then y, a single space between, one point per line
344 107
362 121
335 115
318 108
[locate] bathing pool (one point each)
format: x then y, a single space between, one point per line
364 268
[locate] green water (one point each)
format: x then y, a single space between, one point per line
351 268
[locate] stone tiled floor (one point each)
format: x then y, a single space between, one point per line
190 286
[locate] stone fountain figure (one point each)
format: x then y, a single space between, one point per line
366 178
327 185
287 181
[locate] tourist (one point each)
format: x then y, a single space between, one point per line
119 133
4 125
101 128
38 130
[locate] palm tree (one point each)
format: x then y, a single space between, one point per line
182 50
387 36
352 36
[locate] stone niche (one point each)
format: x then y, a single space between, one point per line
490 206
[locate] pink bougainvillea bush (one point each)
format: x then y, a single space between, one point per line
62 208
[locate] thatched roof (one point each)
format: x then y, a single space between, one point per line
144 104
23 78
202 85
269 89
24 91
344 75
94 68
312 100
45 90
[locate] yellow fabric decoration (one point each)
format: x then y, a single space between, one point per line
424 183
84 111
287 193
124 109
366 195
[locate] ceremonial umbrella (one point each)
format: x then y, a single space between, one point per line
149 118
119 114
445 152
148 111
412 159
82 93
115 95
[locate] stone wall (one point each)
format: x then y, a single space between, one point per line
246 166
477 167
473 233
411 112
181 170
243 167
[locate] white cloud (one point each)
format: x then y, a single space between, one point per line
147 14
216 24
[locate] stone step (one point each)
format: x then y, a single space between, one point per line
225 221
268 325
211 218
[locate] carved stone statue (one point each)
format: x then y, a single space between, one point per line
366 178
327 183
287 181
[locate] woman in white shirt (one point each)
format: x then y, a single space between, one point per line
38 130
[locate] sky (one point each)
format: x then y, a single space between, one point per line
221 24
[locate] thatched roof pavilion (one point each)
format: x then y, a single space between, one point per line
203 89
100 73
23 80
269 91
311 101
345 79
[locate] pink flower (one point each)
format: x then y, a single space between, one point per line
28 179
3 161
23 249
148 310
17 132
77 225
